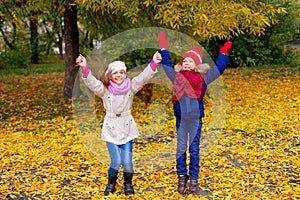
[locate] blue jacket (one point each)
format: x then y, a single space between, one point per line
188 107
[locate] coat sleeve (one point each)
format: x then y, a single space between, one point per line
167 64
143 78
94 85
217 70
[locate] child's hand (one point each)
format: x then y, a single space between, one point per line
225 48
157 58
81 61
163 41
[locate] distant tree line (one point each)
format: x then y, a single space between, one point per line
31 29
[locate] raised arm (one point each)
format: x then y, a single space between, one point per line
90 81
145 76
166 62
220 66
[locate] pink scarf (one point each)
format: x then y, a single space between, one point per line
119 89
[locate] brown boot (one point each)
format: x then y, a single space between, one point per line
111 185
128 188
194 186
182 180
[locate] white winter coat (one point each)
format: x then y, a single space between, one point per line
119 126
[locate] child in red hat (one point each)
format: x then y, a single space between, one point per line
189 87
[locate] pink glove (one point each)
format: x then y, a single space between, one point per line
81 61
155 61
163 41
225 48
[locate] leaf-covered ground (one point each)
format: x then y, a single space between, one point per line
44 156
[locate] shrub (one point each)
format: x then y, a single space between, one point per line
16 58
248 52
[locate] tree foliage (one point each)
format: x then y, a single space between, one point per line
202 19
212 21
267 49
18 31
256 27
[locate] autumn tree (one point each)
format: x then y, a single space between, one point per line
47 15
72 49
14 30
51 22
27 27
209 22
266 49
30 13
287 25
7 19
202 19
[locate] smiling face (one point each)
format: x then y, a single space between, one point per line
118 76
188 64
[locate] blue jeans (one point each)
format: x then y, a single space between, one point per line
188 130
120 154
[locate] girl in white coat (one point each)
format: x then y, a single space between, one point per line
119 127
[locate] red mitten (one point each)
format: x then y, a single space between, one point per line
163 41
225 48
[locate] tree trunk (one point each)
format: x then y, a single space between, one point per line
72 51
34 39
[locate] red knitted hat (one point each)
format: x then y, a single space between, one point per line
195 53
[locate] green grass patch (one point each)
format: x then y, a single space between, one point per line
35 69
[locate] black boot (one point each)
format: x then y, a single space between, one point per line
111 185
182 180
194 186
128 188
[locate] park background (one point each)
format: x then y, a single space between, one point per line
42 153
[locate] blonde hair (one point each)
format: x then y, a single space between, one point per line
105 78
